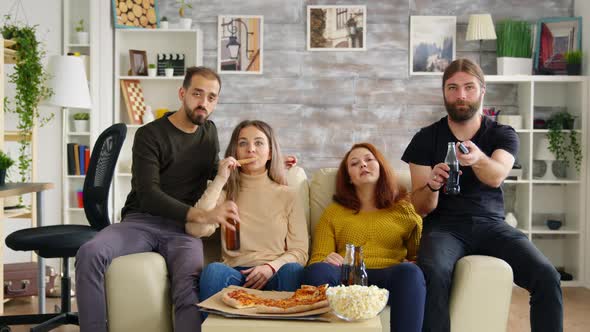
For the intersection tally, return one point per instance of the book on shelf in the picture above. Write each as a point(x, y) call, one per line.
point(78, 158)
point(71, 159)
point(86, 158)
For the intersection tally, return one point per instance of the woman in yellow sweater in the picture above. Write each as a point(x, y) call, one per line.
point(273, 230)
point(370, 211)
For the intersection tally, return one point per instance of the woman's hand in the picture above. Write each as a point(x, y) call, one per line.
point(257, 276)
point(225, 167)
point(334, 259)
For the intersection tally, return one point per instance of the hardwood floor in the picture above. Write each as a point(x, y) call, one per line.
point(576, 310)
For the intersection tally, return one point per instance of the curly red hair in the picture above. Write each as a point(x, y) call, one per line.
point(387, 190)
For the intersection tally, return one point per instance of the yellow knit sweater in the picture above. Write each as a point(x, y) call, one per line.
point(388, 236)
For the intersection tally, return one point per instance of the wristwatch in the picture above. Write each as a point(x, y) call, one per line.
point(432, 189)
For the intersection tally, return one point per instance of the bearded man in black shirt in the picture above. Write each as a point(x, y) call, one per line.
point(472, 222)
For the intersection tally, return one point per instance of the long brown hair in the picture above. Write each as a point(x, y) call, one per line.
point(275, 166)
point(464, 66)
point(387, 190)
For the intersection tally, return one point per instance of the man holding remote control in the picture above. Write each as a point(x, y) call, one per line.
point(472, 222)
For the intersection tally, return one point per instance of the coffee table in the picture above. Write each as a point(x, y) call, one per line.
point(216, 323)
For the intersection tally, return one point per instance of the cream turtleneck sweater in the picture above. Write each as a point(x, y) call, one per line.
point(273, 229)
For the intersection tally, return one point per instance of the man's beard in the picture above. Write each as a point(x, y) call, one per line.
point(197, 119)
point(465, 114)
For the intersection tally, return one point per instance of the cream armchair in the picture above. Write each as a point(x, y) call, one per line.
point(138, 295)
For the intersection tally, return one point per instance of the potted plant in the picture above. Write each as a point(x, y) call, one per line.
point(185, 22)
point(5, 163)
point(81, 34)
point(573, 61)
point(30, 78)
point(81, 122)
point(514, 48)
point(563, 140)
point(164, 23)
point(169, 70)
point(152, 71)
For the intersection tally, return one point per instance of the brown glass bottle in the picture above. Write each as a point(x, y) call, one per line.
point(232, 238)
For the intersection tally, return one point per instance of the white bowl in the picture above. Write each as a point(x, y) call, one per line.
point(354, 303)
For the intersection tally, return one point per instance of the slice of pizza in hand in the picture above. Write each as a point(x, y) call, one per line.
point(247, 161)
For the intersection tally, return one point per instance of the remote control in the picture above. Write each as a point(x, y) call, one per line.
point(463, 148)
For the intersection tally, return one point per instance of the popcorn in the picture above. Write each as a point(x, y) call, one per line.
point(357, 302)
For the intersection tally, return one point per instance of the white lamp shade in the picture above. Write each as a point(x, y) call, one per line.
point(480, 27)
point(68, 81)
point(542, 150)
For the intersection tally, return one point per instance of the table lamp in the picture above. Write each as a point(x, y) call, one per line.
point(68, 82)
point(480, 27)
point(542, 153)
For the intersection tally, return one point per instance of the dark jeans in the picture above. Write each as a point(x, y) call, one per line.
point(140, 233)
point(405, 283)
point(445, 242)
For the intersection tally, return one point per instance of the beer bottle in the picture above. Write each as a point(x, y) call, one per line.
point(451, 187)
point(232, 238)
point(346, 269)
point(360, 273)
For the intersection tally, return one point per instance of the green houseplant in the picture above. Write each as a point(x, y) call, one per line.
point(152, 70)
point(81, 123)
point(164, 23)
point(563, 140)
point(514, 47)
point(573, 61)
point(169, 70)
point(81, 33)
point(185, 22)
point(29, 78)
point(5, 163)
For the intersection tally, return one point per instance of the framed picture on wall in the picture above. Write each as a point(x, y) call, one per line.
point(134, 15)
point(239, 44)
point(554, 37)
point(336, 28)
point(432, 44)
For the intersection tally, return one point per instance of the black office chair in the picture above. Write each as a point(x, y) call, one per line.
point(63, 241)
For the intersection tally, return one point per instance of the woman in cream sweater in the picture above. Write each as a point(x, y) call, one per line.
point(273, 230)
point(370, 211)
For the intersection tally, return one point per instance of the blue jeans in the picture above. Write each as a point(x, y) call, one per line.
point(217, 276)
point(405, 283)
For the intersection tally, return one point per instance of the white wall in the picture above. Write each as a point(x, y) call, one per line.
point(582, 8)
point(47, 15)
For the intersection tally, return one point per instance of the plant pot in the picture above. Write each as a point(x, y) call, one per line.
point(82, 37)
point(152, 72)
point(164, 25)
point(185, 23)
point(574, 68)
point(169, 72)
point(81, 126)
point(514, 66)
point(2, 177)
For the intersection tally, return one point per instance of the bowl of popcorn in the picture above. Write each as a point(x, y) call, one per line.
point(354, 303)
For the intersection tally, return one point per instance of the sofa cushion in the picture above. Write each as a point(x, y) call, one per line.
point(323, 185)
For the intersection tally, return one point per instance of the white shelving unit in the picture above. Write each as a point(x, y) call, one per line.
point(73, 11)
point(159, 92)
point(532, 200)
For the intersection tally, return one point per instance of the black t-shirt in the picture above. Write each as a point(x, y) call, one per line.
point(429, 147)
point(170, 168)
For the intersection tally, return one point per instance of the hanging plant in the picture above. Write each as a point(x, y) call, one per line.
point(30, 78)
point(563, 139)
